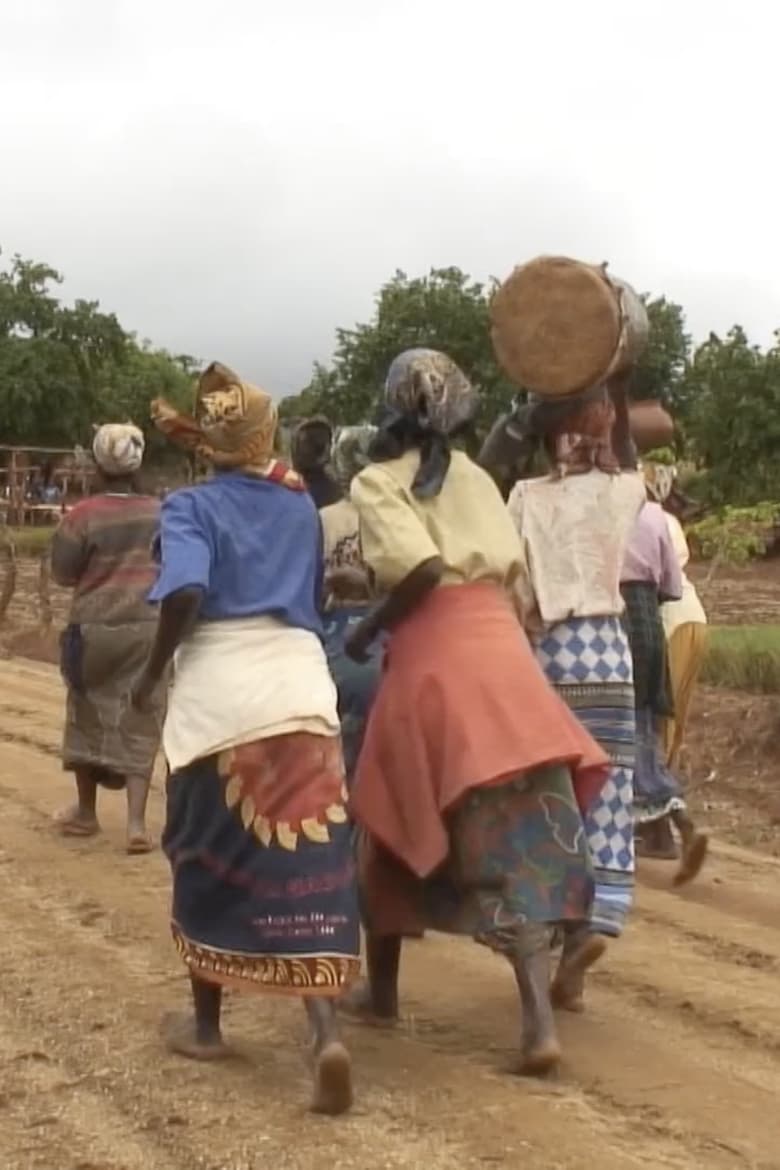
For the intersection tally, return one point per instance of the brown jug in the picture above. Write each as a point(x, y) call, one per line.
point(651, 425)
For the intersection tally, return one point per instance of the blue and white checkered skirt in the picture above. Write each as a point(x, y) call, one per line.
point(588, 661)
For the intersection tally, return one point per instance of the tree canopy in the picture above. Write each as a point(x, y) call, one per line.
point(447, 310)
point(724, 395)
point(65, 367)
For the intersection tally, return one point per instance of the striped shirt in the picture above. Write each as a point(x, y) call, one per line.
point(102, 550)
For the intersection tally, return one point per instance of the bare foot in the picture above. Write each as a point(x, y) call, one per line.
point(71, 822)
point(568, 986)
point(332, 1080)
point(540, 1060)
point(180, 1036)
point(694, 856)
point(357, 1004)
point(138, 840)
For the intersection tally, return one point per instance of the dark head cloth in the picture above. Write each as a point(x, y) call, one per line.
point(428, 400)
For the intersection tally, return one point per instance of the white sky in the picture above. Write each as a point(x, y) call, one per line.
point(236, 179)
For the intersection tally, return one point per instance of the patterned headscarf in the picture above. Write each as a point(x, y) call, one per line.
point(351, 452)
point(428, 400)
point(118, 448)
point(579, 430)
point(233, 427)
point(659, 480)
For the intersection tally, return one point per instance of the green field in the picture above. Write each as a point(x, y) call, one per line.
point(746, 658)
point(29, 541)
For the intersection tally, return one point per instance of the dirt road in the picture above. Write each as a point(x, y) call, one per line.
point(676, 1063)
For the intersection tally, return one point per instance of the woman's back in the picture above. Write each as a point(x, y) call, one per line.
point(575, 531)
point(466, 524)
point(103, 551)
point(253, 546)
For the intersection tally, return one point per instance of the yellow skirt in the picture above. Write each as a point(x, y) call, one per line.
point(686, 648)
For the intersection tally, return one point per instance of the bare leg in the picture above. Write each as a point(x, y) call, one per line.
point(694, 848)
point(332, 1064)
point(375, 999)
point(199, 1036)
point(541, 1050)
point(138, 840)
point(581, 949)
point(80, 820)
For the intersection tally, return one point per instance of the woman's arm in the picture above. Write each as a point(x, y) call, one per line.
point(671, 582)
point(622, 443)
point(178, 617)
point(69, 553)
point(399, 603)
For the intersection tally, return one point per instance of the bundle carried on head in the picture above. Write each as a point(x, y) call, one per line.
point(560, 327)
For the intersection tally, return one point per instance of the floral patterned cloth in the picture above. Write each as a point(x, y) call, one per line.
point(263, 872)
point(518, 861)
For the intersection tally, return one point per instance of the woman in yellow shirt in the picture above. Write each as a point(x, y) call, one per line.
point(473, 775)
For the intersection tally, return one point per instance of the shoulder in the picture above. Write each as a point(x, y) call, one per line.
point(625, 490)
point(338, 513)
point(467, 477)
point(673, 524)
point(631, 483)
point(462, 467)
point(78, 515)
point(378, 481)
point(182, 500)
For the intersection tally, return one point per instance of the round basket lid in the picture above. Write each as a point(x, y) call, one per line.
point(556, 325)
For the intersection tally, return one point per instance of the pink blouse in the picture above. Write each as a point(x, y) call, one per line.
point(650, 556)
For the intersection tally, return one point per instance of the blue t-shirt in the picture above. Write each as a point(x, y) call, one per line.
point(253, 546)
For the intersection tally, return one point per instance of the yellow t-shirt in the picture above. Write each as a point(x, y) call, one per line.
point(466, 524)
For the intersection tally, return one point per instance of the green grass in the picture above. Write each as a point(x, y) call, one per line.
point(744, 658)
point(29, 541)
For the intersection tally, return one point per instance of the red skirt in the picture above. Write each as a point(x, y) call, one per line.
point(462, 704)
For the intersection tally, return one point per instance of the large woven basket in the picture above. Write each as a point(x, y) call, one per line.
point(560, 326)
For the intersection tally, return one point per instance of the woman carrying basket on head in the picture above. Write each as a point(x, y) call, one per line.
point(574, 524)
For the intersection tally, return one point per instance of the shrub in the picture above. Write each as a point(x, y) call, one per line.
point(735, 536)
point(743, 658)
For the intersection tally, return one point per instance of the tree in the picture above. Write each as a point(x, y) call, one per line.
point(63, 367)
point(661, 368)
point(447, 310)
point(444, 310)
point(733, 393)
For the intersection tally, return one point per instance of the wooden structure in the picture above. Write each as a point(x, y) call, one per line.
point(22, 468)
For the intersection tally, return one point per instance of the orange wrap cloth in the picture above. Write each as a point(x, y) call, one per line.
point(462, 704)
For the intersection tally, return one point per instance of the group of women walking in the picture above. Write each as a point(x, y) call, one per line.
point(391, 697)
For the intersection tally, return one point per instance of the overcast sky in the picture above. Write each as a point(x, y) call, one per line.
point(236, 179)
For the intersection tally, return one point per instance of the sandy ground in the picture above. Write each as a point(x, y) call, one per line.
point(675, 1064)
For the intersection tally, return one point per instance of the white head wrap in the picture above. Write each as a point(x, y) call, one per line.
point(659, 480)
point(118, 448)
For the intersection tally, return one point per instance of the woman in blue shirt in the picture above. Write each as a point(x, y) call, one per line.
point(256, 828)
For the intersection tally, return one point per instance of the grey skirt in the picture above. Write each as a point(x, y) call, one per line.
point(102, 731)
